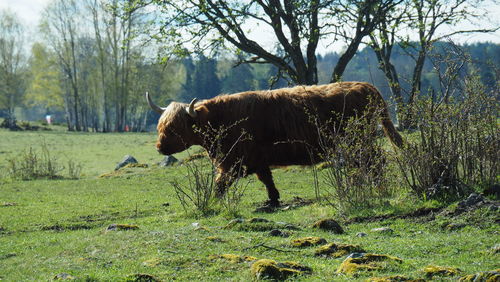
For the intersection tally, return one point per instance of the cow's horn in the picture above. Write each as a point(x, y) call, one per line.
point(153, 106)
point(190, 110)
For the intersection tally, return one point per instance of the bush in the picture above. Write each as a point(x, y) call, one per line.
point(198, 190)
point(354, 163)
point(456, 146)
point(32, 165)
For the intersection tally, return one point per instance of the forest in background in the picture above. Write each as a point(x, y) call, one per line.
point(94, 60)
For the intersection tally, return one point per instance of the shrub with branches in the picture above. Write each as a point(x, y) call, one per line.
point(31, 164)
point(198, 191)
point(456, 145)
point(354, 162)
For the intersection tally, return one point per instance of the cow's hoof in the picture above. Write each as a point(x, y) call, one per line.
point(268, 207)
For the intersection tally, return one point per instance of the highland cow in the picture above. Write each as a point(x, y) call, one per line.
point(277, 123)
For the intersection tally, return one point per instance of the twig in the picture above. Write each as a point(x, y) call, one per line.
point(268, 247)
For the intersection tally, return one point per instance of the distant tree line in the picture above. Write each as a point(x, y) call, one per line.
point(95, 59)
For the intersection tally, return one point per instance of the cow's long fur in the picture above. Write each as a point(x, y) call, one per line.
point(277, 121)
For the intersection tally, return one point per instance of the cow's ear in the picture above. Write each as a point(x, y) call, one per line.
point(201, 113)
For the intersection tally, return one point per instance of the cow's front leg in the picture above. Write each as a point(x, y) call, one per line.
point(223, 180)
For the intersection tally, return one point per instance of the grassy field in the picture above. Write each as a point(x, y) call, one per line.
point(54, 227)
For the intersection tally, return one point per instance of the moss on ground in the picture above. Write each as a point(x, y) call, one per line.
point(337, 250)
point(442, 271)
point(307, 242)
point(270, 269)
point(360, 262)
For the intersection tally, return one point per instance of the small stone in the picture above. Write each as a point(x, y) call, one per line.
point(356, 255)
point(382, 230)
point(278, 233)
point(8, 204)
point(472, 200)
point(329, 225)
point(495, 249)
point(167, 161)
point(257, 220)
point(128, 159)
point(361, 234)
point(195, 224)
point(337, 250)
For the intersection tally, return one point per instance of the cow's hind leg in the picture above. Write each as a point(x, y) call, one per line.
point(264, 174)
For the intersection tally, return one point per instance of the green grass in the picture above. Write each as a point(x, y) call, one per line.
point(48, 227)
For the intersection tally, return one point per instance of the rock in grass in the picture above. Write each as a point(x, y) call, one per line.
point(432, 271)
point(394, 278)
point(485, 276)
point(167, 161)
point(116, 227)
point(270, 269)
point(361, 234)
point(359, 262)
point(257, 220)
point(494, 250)
point(128, 159)
point(64, 276)
point(328, 225)
point(307, 242)
point(233, 258)
point(278, 233)
point(337, 250)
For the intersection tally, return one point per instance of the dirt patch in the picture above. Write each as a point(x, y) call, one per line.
point(294, 203)
point(427, 213)
point(64, 227)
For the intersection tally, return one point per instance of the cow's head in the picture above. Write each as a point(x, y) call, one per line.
point(175, 127)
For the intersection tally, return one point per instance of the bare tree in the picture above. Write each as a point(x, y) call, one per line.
point(98, 13)
point(12, 60)
point(427, 19)
point(356, 20)
point(296, 26)
point(60, 29)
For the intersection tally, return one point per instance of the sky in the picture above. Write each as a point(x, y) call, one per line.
point(29, 12)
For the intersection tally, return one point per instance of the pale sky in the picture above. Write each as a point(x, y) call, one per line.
point(29, 13)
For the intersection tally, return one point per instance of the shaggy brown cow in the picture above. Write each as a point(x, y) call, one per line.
point(277, 121)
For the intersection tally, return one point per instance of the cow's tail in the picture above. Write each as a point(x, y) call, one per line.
point(390, 130)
